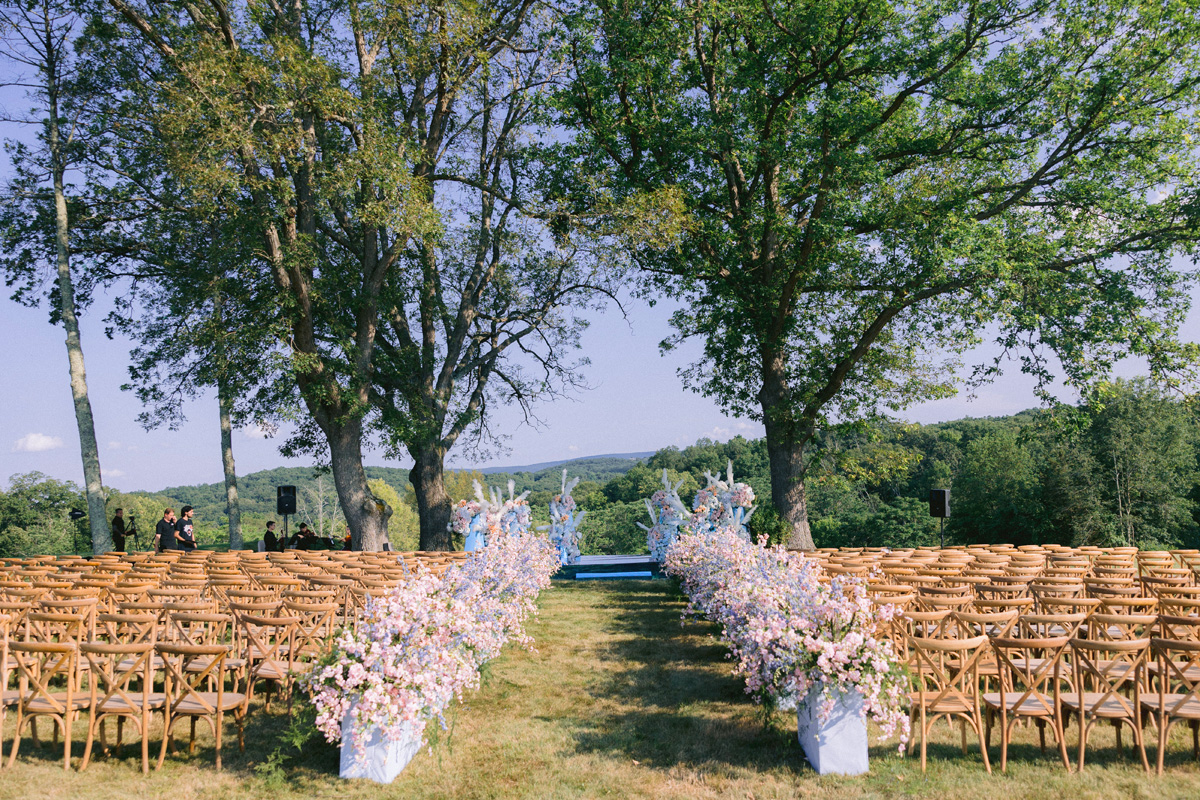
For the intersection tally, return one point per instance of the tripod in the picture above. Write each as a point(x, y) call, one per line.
point(132, 533)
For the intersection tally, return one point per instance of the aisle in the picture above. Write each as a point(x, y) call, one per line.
point(619, 700)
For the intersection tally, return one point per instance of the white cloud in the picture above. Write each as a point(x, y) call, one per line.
point(573, 448)
point(37, 443)
point(114, 445)
point(256, 432)
point(114, 473)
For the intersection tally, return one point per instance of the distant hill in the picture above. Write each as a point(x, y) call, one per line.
point(578, 462)
point(256, 491)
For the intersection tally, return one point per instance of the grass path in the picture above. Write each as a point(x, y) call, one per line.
point(619, 700)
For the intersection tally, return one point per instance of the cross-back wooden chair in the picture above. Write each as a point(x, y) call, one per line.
point(1111, 669)
point(1030, 688)
point(7, 697)
point(946, 673)
point(187, 696)
point(268, 645)
point(40, 665)
point(121, 686)
point(314, 631)
point(1178, 696)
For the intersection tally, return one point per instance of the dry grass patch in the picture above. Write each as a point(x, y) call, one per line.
point(619, 700)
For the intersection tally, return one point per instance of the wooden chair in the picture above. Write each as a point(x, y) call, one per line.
point(268, 645)
point(946, 673)
point(1110, 667)
point(314, 631)
point(38, 665)
point(122, 686)
point(1030, 684)
point(1178, 697)
point(186, 697)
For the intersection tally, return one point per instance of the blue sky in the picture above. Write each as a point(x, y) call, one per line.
point(636, 404)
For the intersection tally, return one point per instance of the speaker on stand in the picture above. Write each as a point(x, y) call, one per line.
point(285, 504)
point(939, 506)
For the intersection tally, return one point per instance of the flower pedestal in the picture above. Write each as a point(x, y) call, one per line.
point(839, 745)
point(384, 759)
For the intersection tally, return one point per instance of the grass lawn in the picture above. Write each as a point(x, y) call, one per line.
point(618, 701)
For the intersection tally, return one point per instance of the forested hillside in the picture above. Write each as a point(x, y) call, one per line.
point(1119, 469)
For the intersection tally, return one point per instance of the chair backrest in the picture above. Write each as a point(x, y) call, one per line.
point(198, 628)
point(128, 629)
point(1117, 627)
point(314, 627)
point(1031, 667)
point(947, 670)
point(39, 664)
point(1178, 670)
point(1110, 666)
point(1185, 629)
point(184, 686)
point(267, 640)
point(995, 623)
point(42, 626)
point(122, 672)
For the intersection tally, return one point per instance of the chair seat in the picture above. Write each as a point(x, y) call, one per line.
point(1189, 710)
point(271, 670)
point(1191, 672)
point(118, 705)
point(1111, 708)
point(947, 705)
point(10, 697)
point(190, 705)
point(156, 663)
point(41, 705)
point(1036, 705)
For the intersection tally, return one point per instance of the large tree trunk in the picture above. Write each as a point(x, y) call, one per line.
point(785, 454)
point(366, 515)
point(232, 507)
point(97, 515)
point(428, 477)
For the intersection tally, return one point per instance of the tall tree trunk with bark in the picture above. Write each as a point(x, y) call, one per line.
point(786, 445)
point(428, 477)
point(366, 515)
point(90, 452)
point(232, 506)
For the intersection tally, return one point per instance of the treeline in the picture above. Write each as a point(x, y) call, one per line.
point(1119, 469)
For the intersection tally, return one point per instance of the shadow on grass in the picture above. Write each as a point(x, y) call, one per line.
point(264, 731)
point(665, 694)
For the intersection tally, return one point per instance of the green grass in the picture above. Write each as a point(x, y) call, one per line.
point(619, 700)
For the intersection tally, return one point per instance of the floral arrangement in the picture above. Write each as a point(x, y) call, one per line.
point(486, 516)
point(667, 513)
point(721, 505)
point(788, 631)
point(420, 646)
point(564, 524)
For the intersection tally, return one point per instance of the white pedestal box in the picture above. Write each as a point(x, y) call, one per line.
point(839, 746)
point(384, 759)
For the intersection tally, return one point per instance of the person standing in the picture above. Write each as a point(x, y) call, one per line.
point(164, 532)
point(270, 540)
point(118, 530)
point(185, 538)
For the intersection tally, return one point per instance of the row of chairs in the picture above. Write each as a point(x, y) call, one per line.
point(139, 637)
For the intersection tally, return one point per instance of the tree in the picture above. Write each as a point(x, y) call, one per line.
point(862, 189)
point(377, 157)
point(39, 36)
point(1144, 449)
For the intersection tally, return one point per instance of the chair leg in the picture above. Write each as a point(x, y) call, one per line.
point(91, 738)
point(978, 723)
point(1083, 732)
point(220, 724)
point(12, 755)
point(162, 752)
point(1041, 726)
point(924, 735)
point(1164, 728)
point(1140, 740)
point(67, 741)
point(1060, 736)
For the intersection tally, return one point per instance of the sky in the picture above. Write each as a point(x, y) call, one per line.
point(635, 404)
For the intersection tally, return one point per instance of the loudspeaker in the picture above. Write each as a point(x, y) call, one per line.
point(939, 502)
point(285, 500)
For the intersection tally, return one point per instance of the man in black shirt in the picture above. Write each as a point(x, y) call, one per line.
point(164, 531)
point(270, 540)
point(304, 537)
point(118, 530)
point(184, 538)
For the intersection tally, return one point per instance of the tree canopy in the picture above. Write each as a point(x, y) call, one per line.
point(865, 189)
